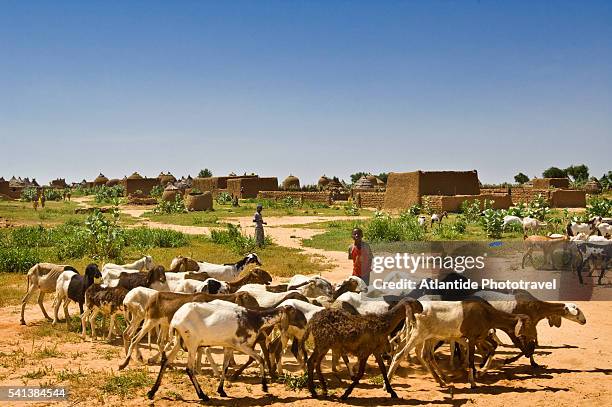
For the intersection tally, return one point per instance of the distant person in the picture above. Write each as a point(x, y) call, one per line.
point(259, 230)
point(35, 204)
point(361, 254)
point(42, 199)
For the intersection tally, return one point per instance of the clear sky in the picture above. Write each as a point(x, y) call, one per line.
point(304, 87)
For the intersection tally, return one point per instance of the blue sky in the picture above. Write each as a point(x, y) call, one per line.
point(304, 87)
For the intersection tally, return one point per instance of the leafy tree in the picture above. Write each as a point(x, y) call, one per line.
point(521, 178)
point(383, 176)
point(579, 173)
point(554, 172)
point(205, 173)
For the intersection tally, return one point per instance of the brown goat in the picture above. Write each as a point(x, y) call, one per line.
point(359, 335)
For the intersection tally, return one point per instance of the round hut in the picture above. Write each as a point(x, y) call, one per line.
point(593, 186)
point(363, 183)
point(323, 181)
point(164, 179)
point(100, 180)
point(200, 201)
point(135, 175)
point(170, 193)
point(291, 183)
point(113, 182)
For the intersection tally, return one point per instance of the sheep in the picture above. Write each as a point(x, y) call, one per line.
point(266, 298)
point(72, 286)
point(512, 220)
point(468, 323)
point(522, 302)
point(224, 272)
point(437, 218)
point(573, 228)
point(42, 277)
point(359, 335)
point(111, 271)
point(350, 284)
point(108, 300)
point(318, 286)
point(154, 278)
point(162, 306)
point(200, 324)
point(531, 224)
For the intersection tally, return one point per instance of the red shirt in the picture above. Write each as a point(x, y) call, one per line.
point(361, 258)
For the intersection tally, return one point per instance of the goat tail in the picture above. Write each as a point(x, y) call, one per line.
point(568, 230)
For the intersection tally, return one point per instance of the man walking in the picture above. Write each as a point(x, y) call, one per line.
point(361, 254)
point(259, 230)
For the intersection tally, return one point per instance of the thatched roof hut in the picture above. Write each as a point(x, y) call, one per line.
point(363, 183)
point(113, 182)
point(291, 182)
point(323, 181)
point(593, 186)
point(135, 175)
point(164, 179)
point(100, 180)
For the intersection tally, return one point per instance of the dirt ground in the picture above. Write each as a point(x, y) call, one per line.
point(577, 359)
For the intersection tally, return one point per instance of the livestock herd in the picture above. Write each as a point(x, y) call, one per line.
point(196, 306)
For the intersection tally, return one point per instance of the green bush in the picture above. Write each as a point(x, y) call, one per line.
point(492, 222)
point(233, 238)
point(54, 194)
point(224, 198)
point(145, 238)
point(537, 208)
point(18, 259)
point(109, 195)
point(29, 194)
point(471, 210)
point(351, 209)
point(599, 206)
point(460, 225)
point(384, 228)
point(106, 237)
point(446, 231)
point(157, 191)
point(168, 207)
point(414, 210)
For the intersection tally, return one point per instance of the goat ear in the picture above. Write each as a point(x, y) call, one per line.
point(554, 320)
point(519, 327)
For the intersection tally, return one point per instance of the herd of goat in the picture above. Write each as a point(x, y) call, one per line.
point(194, 306)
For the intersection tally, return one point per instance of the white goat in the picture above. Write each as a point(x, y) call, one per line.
point(210, 286)
point(531, 224)
point(196, 325)
point(111, 271)
point(511, 220)
point(42, 277)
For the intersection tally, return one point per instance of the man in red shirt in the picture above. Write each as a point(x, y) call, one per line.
point(361, 254)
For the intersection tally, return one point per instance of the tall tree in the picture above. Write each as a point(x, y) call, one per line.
point(205, 173)
point(521, 178)
point(579, 173)
point(554, 172)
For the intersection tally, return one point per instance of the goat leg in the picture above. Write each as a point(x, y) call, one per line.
point(41, 298)
point(349, 390)
point(196, 385)
point(383, 372)
point(164, 365)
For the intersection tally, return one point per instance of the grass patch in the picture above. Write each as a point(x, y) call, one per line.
point(47, 352)
point(38, 373)
point(293, 382)
point(337, 237)
point(12, 289)
point(126, 382)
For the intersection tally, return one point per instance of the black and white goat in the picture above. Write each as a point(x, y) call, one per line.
point(71, 286)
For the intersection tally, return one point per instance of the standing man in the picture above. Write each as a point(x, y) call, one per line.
point(361, 254)
point(259, 230)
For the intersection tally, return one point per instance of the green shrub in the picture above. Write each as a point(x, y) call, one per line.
point(29, 194)
point(492, 222)
point(445, 231)
point(18, 259)
point(351, 209)
point(168, 207)
point(537, 208)
point(110, 195)
point(384, 228)
point(414, 210)
point(106, 237)
point(460, 225)
point(224, 198)
point(471, 210)
point(157, 191)
point(233, 238)
point(145, 238)
point(599, 206)
point(53, 194)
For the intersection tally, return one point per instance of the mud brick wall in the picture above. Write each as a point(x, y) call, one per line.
point(568, 198)
point(4, 188)
point(402, 190)
point(15, 192)
point(545, 183)
point(523, 194)
point(321, 197)
point(406, 189)
point(440, 203)
point(214, 183)
point(141, 184)
point(251, 186)
point(371, 199)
